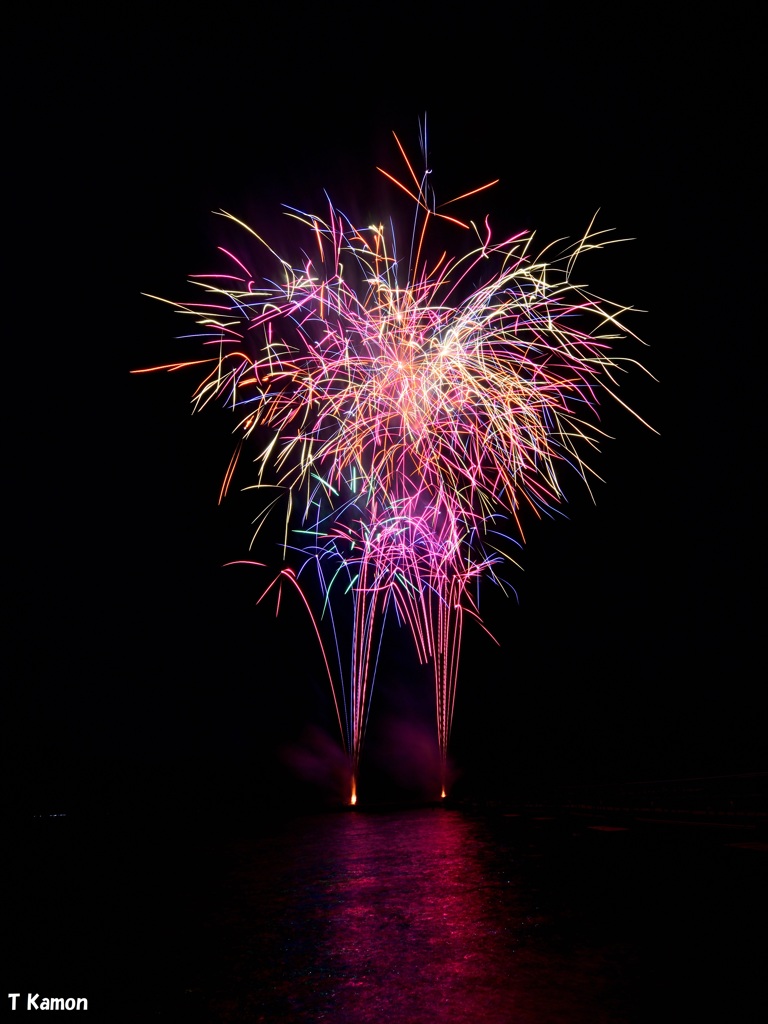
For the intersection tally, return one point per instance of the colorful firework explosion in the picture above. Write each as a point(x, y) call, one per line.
point(409, 410)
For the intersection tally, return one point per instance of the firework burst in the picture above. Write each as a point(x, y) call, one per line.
point(404, 413)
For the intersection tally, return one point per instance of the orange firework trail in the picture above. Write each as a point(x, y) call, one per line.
point(411, 410)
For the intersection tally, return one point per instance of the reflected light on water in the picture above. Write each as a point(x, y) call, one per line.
point(413, 930)
point(419, 916)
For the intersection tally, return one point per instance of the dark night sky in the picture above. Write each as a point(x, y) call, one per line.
point(137, 663)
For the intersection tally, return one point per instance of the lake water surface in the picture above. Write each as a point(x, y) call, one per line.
point(413, 916)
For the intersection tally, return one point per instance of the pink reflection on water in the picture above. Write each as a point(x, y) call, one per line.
point(412, 917)
point(415, 933)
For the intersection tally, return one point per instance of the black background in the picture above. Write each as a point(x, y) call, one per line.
point(140, 672)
